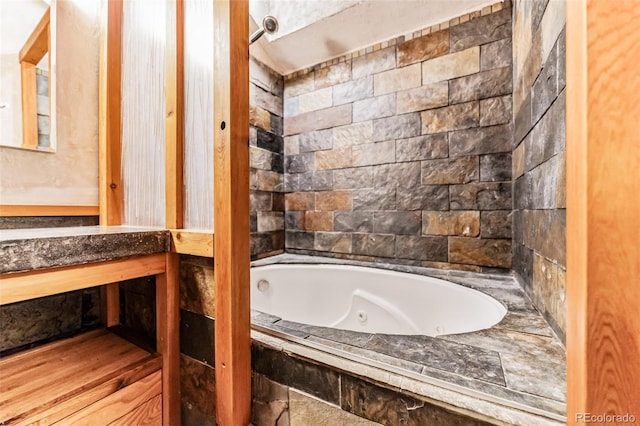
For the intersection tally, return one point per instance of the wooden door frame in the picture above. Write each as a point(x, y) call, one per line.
point(603, 207)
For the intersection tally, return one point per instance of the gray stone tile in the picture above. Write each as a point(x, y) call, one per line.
point(495, 167)
point(480, 196)
point(381, 245)
point(372, 63)
point(424, 97)
point(316, 181)
point(485, 84)
point(335, 335)
point(480, 140)
point(374, 199)
point(481, 30)
point(372, 355)
point(407, 223)
point(422, 248)
point(299, 163)
point(423, 197)
point(525, 323)
point(427, 147)
point(380, 106)
point(450, 170)
point(357, 221)
point(396, 127)
point(464, 359)
point(388, 407)
point(337, 242)
point(332, 75)
point(316, 141)
point(495, 111)
point(495, 224)
point(396, 175)
point(545, 88)
point(353, 178)
point(314, 379)
point(352, 91)
point(197, 336)
point(496, 54)
point(299, 239)
point(374, 153)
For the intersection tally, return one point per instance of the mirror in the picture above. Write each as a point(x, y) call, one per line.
point(24, 68)
point(64, 169)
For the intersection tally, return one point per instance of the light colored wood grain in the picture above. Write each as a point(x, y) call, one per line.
point(37, 45)
point(110, 304)
point(194, 243)
point(91, 392)
point(603, 206)
point(29, 105)
point(149, 413)
point(45, 384)
point(174, 100)
point(231, 212)
point(110, 116)
point(168, 337)
point(111, 408)
point(34, 284)
point(42, 210)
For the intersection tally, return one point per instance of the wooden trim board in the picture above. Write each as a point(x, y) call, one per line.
point(16, 287)
point(231, 212)
point(37, 45)
point(110, 116)
point(174, 123)
point(38, 210)
point(195, 243)
point(603, 206)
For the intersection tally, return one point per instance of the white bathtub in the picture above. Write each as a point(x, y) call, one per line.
point(371, 300)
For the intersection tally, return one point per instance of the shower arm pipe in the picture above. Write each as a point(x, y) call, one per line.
point(256, 36)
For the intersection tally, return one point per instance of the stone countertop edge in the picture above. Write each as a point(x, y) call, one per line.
point(452, 399)
point(32, 249)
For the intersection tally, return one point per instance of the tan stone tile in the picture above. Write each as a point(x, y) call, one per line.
point(299, 201)
point(423, 48)
point(339, 158)
point(313, 101)
point(462, 223)
point(421, 98)
point(451, 66)
point(474, 251)
point(259, 117)
point(518, 161)
point(454, 117)
point(306, 410)
point(397, 79)
point(317, 120)
point(318, 221)
point(333, 200)
point(332, 75)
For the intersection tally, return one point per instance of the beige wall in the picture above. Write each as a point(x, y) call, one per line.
point(70, 175)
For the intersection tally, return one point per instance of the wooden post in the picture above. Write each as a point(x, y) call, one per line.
point(603, 207)
point(109, 135)
point(231, 212)
point(167, 328)
point(174, 99)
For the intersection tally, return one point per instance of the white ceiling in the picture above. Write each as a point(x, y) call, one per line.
point(313, 31)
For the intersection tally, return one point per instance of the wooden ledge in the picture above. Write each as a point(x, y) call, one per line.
point(195, 243)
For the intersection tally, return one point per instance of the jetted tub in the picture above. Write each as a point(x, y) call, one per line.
point(370, 300)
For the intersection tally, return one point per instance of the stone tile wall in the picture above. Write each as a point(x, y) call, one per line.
point(403, 154)
point(538, 168)
point(266, 157)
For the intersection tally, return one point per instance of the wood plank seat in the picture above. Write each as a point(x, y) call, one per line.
point(95, 378)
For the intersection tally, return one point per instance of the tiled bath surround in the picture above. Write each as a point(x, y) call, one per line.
point(403, 154)
point(266, 157)
point(539, 142)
